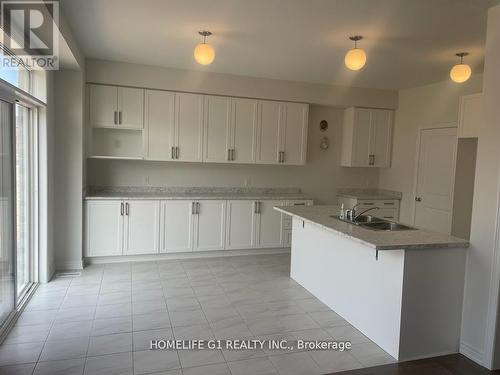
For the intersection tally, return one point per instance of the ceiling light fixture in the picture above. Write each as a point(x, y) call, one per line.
point(204, 53)
point(355, 58)
point(460, 72)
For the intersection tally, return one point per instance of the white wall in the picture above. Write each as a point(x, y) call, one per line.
point(427, 106)
point(483, 268)
point(319, 178)
point(69, 98)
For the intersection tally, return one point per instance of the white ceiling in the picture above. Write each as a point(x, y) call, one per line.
point(408, 42)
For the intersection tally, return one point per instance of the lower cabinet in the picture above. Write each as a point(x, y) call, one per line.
point(240, 224)
point(141, 227)
point(269, 224)
point(209, 225)
point(176, 226)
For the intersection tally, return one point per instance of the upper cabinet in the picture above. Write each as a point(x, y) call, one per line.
point(112, 106)
point(367, 137)
point(470, 115)
point(171, 126)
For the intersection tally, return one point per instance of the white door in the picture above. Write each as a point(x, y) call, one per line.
point(104, 227)
point(269, 224)
point(189, 126)
point(216, 134)
point(294, 133)
point(103, 106)
point(361, 136)
point(142, 225)
point(268, 140)
point(131, 107)
point(244, 130)
point(176, 230)
point(240, 224)
point(160, 124)
point(381, 136)
point(209, 225)
point(435, 179)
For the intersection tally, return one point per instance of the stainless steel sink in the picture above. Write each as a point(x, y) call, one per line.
point(361, 220)
point(386, 225)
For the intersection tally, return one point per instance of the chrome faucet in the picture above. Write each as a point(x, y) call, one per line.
point(355, 217)
point(351, 212)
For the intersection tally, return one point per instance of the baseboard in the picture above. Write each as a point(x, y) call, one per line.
point(472, 353)
point(69, 265)
point(432, 355)
point(192, 255)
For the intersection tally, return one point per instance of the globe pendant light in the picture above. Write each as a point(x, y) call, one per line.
point(204, 53)
point(355, 59)
point(460, 72)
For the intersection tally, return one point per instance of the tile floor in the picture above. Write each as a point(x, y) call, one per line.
point(102, 322)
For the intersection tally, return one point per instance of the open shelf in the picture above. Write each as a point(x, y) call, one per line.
point(114, 143)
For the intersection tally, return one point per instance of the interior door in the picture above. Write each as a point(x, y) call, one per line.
point(160, 124)
point(362, 128)
point(240, 224)
point(141, 227)
point(104, 229)
point(244, 129)
point(381, 138)
point(103, 106)
point(268, 140)
point(435, 179)
point(209, 225)
point(131, 107)
point(294, 129)
point(217, 129)
point(176, 226)
point(189, 126)
point(269, 225)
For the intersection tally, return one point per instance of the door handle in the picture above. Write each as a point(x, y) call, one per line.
point(177, 152)
point(121, 209)
point(232, 154)
point(172, 153)
point(282, 156)
point(228, 154)
point(116, 117)
point(371, 159)
point(193, 210)
point(418, 199)
point(127, 209)
point(120, 117)
point(255, 211)
point(197, 208)
point(258, 207)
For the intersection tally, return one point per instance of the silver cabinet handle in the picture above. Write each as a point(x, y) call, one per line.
point(299, 204)
point(120, 117)
point(116, 117)
point(418, 199)
point(232, 154)
point(282, 156)
point(388, 203)
point(229, 154)
point(121, 209)
point(197, 208)
point(193, 205)
point(177, 152)
point(255, 211)
point(127, 209)
point(258, 207)
point(172, 153)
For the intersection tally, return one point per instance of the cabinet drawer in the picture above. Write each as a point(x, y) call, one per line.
point(382, 204)
point(387, 214)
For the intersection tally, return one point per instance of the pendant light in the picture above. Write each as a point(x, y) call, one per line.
point(204, 53)
point(355, 58)
point(460, 72)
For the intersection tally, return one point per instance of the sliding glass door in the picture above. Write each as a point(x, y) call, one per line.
point(7, 213)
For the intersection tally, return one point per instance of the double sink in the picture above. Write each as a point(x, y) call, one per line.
point(374, 223)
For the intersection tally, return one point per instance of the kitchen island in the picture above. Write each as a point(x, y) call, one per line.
point(402, 289)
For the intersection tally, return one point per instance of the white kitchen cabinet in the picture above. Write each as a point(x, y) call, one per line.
point(269, 225)
point(293, 133)
point(367, 137)
point(217, 144)
point(141, 227)
point(287, 220)
point(160, 125)
point(244, 130)
point(268, 133)
point(188, 127)
point(240, 224)
point(120, 107)
point(176, 226)
point(104, 227)
point(470, 115)
point(209, 225)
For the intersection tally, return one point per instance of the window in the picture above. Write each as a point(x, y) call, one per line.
point(19, 77)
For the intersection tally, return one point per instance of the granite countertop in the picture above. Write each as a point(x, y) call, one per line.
point(173, 193)
point(379, 240)
point(369, 193)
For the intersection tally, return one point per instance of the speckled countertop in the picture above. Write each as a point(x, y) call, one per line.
point(369, 193)
point(379, 240)
point(194, 193)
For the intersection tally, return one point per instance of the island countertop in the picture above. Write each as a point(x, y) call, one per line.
point(379, 240)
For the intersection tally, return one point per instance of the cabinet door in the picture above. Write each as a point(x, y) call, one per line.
point(103, 106)
point(131, 107)
point(209, 225)
point(244, 130)
point(386, 213)
point(160, 124)
point(141, 227)
point(176, 222)
point(189, 126)
point(470, 115)
point(294, 133)
point(240, 224)
point(269, 223)
point(268, 140)
point(216, 134)
point(104, 228)
point(361, 137)
point(381, 135)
